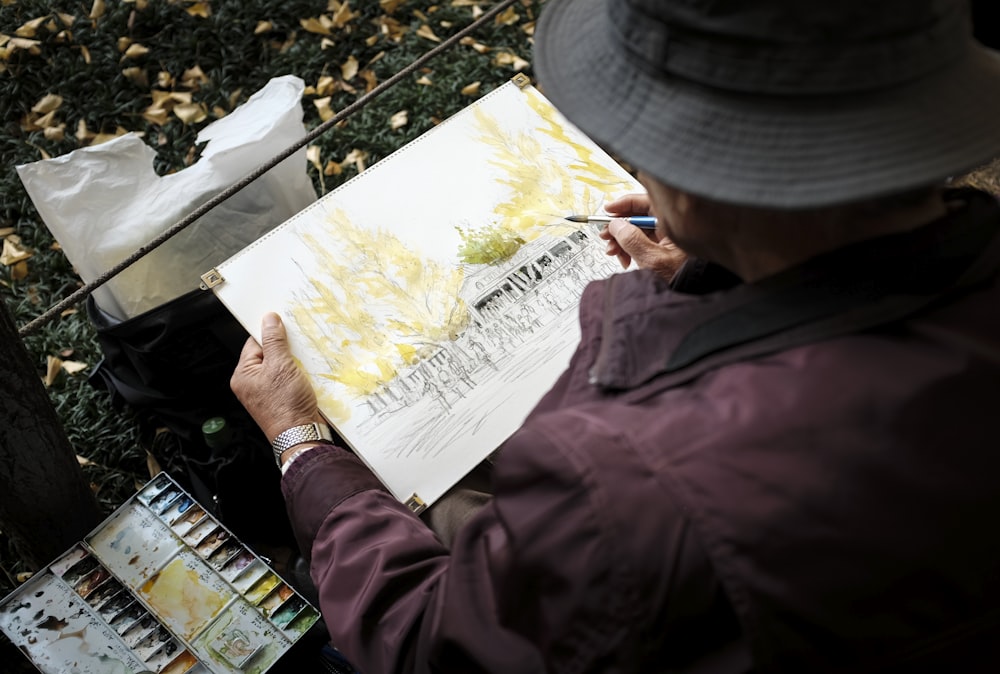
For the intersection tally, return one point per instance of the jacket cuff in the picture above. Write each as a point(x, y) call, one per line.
point(316, 483)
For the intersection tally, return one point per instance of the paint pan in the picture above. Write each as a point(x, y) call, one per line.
point(188, 520)
point(115, 605)
point(237, 565)
point(212, 542)
point(128, 618)
point(306, 618)
point(250, 575)
point(149, 645)
point(140, 630)
point(269, 604)
point(181, 664)
point(164, 500)
point(108, 589)
point(178, 507)
point(91, 581)
point(200, 531)
point(225, 554)
point(79, 570)
point(157, 485)
point(261, 588)
point(286, 614)
point(62, 565)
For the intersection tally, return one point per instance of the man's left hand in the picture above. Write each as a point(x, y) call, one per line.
point(270, 384)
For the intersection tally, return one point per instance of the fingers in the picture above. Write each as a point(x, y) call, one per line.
point(662, 256)
point(630, 204)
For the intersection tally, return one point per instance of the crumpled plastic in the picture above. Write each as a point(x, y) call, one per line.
point(104, 202)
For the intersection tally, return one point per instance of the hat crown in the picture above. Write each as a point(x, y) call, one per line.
point(793, 46)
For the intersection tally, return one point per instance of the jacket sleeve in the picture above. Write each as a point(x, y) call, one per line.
point(538, 581)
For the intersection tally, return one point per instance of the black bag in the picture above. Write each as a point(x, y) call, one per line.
point(172, 365)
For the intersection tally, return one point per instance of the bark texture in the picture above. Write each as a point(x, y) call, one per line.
point(45, 503)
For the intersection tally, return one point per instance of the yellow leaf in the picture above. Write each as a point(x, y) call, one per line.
point(74, 366)
point(83, 134)
point(20, 270)
point(356, 157)
point(349, 68)
point(55, 133)
point(399, 120)
point(528, 28)
point(13, 251)
point(97, 9)
point(313, 25)
point(201, 9)
point(326, 43)
point(191, 113)
point(471, 89)
point(83, 461)
point(25, 576)
point(16, 43)
point(135, 50)
point(323, 108)
point(68, 312)
point(67, 19)
point(85, 53)
point(389, 6)
point(164, 80)
point(312, 156)
point(46, 121)
point(137, 76)
point(53, 366)
point(478, 46)
point(30, 28)
point(263, 27)
point(47, 103)
point(507, 17)
point(420, 15)
point(424, 80)
point(371, 80)
point(333, 169)
point(506, 58)
point(343, 16)
point(477, 11)
point(7, 231)
point(193, 78)
point(183, 97)
point(425, 32)
point(326, 86)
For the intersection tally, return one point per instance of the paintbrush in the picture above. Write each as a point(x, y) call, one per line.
point(640, 221)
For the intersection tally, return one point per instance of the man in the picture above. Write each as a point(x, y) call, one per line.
point(784, 458)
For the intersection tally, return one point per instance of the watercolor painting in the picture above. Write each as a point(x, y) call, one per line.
point(432, 299)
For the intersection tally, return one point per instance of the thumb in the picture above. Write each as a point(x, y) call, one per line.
point(273, 338)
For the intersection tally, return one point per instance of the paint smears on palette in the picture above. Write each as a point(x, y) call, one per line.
point(160, 586)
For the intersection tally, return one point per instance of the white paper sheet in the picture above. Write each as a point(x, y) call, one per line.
point(424, 358)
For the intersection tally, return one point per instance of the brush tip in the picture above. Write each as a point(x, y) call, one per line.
point(577, 218)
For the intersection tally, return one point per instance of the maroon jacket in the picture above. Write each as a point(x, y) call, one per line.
point(804, 468)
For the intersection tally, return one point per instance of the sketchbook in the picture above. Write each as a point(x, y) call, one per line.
point(432, 298)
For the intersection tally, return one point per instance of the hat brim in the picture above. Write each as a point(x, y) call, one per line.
point(778, 152)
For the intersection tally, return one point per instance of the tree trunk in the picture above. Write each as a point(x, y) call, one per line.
point(45, 503)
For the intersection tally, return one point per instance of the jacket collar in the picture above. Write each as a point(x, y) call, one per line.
point(649, 330)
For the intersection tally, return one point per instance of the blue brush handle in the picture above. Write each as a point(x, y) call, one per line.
point(642, 221)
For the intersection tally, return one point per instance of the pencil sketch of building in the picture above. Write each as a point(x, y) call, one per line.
point(529, 297)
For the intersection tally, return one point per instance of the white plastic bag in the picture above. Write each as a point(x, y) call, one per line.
point(103, 202)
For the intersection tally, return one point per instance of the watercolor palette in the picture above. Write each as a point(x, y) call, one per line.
point(160, 586)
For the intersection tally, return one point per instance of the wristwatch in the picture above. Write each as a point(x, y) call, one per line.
point(296, 435)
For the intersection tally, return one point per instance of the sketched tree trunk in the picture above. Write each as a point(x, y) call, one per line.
point(45, 502)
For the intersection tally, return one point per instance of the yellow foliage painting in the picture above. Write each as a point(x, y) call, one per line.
point(432, 299)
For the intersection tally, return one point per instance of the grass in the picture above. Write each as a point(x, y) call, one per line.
point(238, 53)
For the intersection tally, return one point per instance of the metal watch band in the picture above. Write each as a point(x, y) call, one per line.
point(296, 435)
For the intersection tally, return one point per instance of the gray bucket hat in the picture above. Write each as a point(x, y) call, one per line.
point(777, 103)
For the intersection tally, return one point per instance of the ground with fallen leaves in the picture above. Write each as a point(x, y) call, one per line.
point(74, 74)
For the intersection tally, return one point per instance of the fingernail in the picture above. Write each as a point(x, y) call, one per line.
point(270, 320)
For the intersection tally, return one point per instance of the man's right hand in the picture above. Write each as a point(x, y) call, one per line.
point(627, 242)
